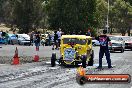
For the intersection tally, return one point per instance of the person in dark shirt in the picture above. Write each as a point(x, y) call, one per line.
point(88, 33)
point(104, 40)
point(31, 37)
point(2, 34)
point(49, 39)
point(37, 40)
point(55, 40)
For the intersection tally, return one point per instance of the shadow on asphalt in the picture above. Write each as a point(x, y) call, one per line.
point(120, 52)
point(115, 52)
point(70, 66)
point(65, 66)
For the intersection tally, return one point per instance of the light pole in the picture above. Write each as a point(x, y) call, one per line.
point(107, 25)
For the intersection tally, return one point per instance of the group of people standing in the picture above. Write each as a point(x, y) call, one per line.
point(35, 37)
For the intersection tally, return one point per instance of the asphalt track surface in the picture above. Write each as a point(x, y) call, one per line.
point(29, 74)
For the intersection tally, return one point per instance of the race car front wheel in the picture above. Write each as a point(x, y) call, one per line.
point(53, 59)
point(81, 80)
point(60, 61)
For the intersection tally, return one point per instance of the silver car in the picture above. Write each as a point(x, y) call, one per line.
point(128, 42)
point(116, 44)
point(23, 39)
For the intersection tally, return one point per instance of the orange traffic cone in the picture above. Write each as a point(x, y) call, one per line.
point(15, 58)
point(36, 57)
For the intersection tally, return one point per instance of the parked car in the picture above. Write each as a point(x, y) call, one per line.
point(2, 41)
point(116, 44)
point(95, 42)
point(23, 39)
point(128, 42)
point(12, 39)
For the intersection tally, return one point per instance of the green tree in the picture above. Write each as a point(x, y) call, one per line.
point(101, 13)
point(71, 15)
point(1, 10)
point(3, 4)
point(119, 14)
point(129, 1)
point(44, 21)
point(122, 15)
point(27, 14)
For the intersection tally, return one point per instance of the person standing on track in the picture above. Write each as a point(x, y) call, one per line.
point(104, 40)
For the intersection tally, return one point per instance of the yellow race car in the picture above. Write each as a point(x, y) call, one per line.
point(74, 50)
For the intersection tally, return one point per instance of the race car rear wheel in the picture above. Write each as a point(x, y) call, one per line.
point(91, 61)
point(84, 61)
point(53, 59)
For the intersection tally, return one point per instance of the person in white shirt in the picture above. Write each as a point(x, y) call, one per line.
point(0, 34)
point(59, 33)
point(0, 37)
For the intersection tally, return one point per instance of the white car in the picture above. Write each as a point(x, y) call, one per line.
point(23, 39)
point(116, 44)
point(95, 42)
point(128, 42)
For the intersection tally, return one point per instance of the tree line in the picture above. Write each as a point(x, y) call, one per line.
point(69, 15)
